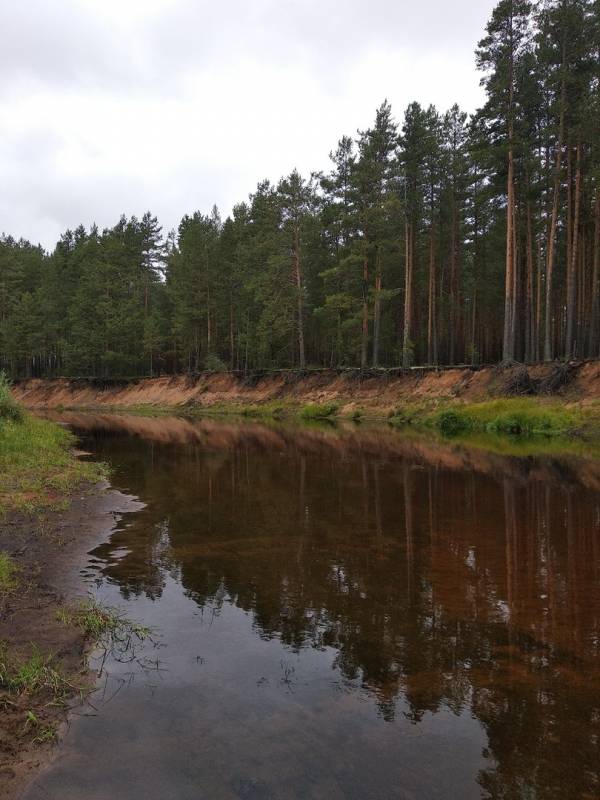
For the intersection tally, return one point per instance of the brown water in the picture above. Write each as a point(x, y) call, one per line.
point(341, 614)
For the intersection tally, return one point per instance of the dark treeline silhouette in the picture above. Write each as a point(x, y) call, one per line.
point(441, 239)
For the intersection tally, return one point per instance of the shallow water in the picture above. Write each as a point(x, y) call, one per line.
point(341, 614)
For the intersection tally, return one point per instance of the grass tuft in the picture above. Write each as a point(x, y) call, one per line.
point(44, 733)
point(8, 573)
point(102, 624)
point(33, 676)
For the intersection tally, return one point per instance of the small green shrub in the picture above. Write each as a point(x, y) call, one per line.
point(9, 408)
point(450, 423)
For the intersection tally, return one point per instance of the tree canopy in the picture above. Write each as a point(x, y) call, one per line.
point(437, 238)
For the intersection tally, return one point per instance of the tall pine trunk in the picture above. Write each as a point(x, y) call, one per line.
point(529, 310)
point(551, 245)
point(231, 334)
point(432, 355)
point(453, 280)
point(364, 350)
point(299, 296)
point(208, 323)
point(570, 340)
point(594, 336)
point(408, 298)
point(377, 309)
point(508, 347)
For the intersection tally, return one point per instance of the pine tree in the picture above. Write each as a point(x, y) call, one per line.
point(498, 55)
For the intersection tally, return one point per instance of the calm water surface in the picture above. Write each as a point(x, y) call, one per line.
point(341, 615)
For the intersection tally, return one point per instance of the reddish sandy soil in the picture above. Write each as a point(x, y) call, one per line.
point(351, 389)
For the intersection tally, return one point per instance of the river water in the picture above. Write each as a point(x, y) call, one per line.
point(340, 615)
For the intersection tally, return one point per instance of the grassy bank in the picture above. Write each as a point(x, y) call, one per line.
point(38, 468)
point(515, 417)
point(524, 417)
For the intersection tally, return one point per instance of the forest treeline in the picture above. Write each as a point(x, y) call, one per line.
point(437, 239)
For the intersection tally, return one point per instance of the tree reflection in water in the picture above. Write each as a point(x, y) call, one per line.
point(439, 575)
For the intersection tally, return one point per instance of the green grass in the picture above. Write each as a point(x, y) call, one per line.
point(287, 410)
point(261, 411)
point(512, 416)
point(517, 417)
point(102, 624)
point(319, 411)
point(44, 733)
point(38, 679)
point(33, 676)
point(8, 573)
point(38, 469)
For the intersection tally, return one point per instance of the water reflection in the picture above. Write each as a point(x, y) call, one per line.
point(443, 579)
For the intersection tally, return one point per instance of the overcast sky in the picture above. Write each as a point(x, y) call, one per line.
point(119, 106)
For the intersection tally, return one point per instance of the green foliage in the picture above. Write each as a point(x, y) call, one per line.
point(8, 573)
point(9, 409)
point(273, 410)
point(37, 466)
point(101, 624)
point(35, 675)
point(450, 422)
point(396, 255)
point(516, 417)
point(44, 733)
point(213, 363)
point(525, 417)
point(316, 411)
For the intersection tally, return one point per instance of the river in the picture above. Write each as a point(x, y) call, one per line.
point(340, 614)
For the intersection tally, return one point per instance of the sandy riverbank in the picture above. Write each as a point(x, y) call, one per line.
point(381, 391)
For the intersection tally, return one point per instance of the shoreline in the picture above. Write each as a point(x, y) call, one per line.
point(551, 400)
point(49, 551)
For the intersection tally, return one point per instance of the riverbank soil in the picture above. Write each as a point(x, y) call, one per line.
point(48, 553)
point(375, 390)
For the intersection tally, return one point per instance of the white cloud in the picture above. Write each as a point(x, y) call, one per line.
point(117, 106)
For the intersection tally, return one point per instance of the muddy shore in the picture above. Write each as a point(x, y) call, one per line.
point(50, 552)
